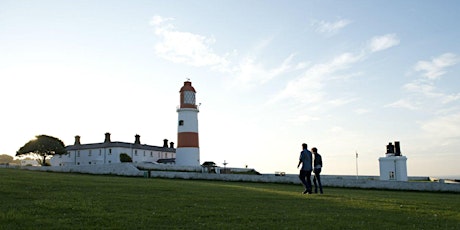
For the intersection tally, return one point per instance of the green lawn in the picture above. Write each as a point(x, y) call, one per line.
point(44, 200)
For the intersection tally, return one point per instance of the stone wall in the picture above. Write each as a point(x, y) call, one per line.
point(166, 171)
point(120, 169)
point(327, 181)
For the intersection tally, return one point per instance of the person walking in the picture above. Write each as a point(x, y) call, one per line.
point(305, 172)
point(317, 164)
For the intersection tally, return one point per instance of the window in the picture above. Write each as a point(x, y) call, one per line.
point(78, 153)
point(110, 151)
point(89, 154)
point(100, 152)
point(181, 122)
point(78, 163)
point(110, 162)
point(144, 153)
point(135, 152)
point(189, 97)
point(392, 175)
point(89, 162)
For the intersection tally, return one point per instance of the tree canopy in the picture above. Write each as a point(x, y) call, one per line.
point(125, 158)
point(4, 158)
point(43, 146)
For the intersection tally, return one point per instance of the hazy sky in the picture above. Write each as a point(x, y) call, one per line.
point(342, 76)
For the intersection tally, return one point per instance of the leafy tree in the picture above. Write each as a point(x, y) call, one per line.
point(4, 158)
point(42, 146)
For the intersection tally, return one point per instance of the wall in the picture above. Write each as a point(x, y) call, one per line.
point(158, 171)
point(332, 181)
point(120, 169)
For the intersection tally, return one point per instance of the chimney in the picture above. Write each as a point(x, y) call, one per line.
point(171, 145)
point(77, 140)
point(390, 148)
point(107, 138)
point(138, 139)
point(397, 149)
point(165, 143)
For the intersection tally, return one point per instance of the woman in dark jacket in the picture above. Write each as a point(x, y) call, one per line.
point(317, 165)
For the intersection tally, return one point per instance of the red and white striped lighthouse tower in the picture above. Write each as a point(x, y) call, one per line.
point(188, 150)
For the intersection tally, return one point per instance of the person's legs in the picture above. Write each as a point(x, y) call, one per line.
point(302, 176)
point(308, 176)
point(318, 177)
point(314, 182)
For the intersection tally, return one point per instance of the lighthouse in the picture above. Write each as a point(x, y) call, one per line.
point(188, 150)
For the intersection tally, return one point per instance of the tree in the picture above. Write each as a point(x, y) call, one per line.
point(43, 146)
point(125, 158)
point(4, 158)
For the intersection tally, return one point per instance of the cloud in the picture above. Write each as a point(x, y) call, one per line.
point(436, 67)
point(184, 47)
point(451, 98)
point(330, 27)
point(383, 42)
point(305, 89)
point(249, 72)
point(158, 20)
point(421, 86)
point(308, 87)
point(361, 111)
point(341, 101)
point(423, 89)
point(443, 127)
point(403, 103)
point(303, 118)
point(196, 50)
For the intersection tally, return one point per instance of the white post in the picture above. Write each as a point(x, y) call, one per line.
point(225, 166)
point(356, 165)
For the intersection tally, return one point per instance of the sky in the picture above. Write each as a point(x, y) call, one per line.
point(346, 77)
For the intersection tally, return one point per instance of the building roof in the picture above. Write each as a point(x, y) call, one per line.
point(120, 145)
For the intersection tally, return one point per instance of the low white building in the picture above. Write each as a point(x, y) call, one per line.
point(108, 152)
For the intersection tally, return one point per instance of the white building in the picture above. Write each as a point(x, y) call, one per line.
point(108, 152)
point(393, 166)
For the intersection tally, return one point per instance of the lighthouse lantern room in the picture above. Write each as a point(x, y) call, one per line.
point(188, 151)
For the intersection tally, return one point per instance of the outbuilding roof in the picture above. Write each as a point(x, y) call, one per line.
point(120, 145)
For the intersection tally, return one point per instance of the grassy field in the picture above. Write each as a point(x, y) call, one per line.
point(43, 200)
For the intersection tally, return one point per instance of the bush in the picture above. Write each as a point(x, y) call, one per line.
point(125, 158)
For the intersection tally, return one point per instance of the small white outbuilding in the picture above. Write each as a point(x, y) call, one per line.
point(393, 166)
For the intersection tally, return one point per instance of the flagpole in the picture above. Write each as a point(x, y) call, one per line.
point(356, 165)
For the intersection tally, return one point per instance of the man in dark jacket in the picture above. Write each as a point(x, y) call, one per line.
point(305, 172)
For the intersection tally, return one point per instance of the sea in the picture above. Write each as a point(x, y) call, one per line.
point(452, 177)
